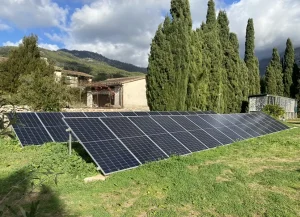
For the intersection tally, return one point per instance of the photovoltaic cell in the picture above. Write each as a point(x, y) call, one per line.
point(169, 144)
point(147, 125)
point(110, 155)
point(128, 114)
point(27, 120)
point(89, 129)
point(167, 123)
point(112, 114)
point(212, 121)
point(151, 113)
point(144, 149)
point(231, 134)
point(73, 114)
point(185, 122)
point(165, 113)
point(222, 138)
point(143, 113)
point(94, 114)
point(240, 132)
point(122, 127)
point(32, 136)
point(199, 122)
point(205, 138)
point(51, 119)
point(59, 133)
point(193, 144)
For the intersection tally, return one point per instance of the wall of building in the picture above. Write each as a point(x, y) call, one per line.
point(134, 94)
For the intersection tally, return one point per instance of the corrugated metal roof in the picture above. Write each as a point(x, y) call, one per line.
point(117, 81)
point(68, 72)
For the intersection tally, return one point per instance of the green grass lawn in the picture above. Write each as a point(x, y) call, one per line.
point(257, 177)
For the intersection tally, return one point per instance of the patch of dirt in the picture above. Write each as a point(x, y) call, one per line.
point(225, 176)
point(260, 169)
point(189, 210)
point(193, 168)
point(207, 163)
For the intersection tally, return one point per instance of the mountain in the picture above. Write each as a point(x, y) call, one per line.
point(101, 70)
point(263, 63)
point(114, 63)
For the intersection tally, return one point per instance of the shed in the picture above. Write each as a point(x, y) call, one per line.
point(257, 102)
point(126, 92)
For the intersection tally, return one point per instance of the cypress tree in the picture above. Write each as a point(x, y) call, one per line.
point(180, 39)
point(197, 84)
point(251, 60)
point(273, 78)
point(288, 68)
point(213, 60)
point(160, 75)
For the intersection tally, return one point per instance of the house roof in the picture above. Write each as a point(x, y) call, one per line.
point(82, 74)
point(117, 81)
point(263, 95)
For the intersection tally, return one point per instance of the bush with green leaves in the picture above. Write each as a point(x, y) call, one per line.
point(274, 110)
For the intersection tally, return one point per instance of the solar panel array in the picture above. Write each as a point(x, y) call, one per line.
point(121, 143)
point(42, 127)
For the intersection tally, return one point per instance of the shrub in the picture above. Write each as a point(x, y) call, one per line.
point(274, 110)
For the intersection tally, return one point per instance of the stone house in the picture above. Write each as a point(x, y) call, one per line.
point(73, 78)
point(126, 92)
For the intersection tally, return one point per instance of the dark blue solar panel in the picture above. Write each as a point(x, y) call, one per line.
point(199, 122)
point(240, 132)
point(73, 114)
point(112, 114)
point(205, 138)
point(164, 113)
point(152, 113)
point(212, 121)
point(148, 125)
point(185, 122)
point(249, 130)
point(220, 119)
point(59, 133)
point(122, 127)
point(192, 112)
point(144, 149)
point(184, 113)
point(222, 138)
point(189, 141)
point(111, 155)
point(94, 114)
point(51, 119)
point(174, 113)
point(232, 135)
point(32, 136)
point(89, 129)
point(167, 123)
point(200, 112)
point(143, 113)
point(169, 144)
point(27, 120)
point(128, 114)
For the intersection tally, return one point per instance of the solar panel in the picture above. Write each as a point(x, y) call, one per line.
point(218, 135)
point(165, 113)
point(30, 130)
point(73, 114)
point(112, 114)
point(205, 138)
point(169, 144)
point(191, 142)
point(128, 114)
point(148, 125)
point(168, 124)
point(143, 113)
point(185, 122)
point(94, 114)
point(122, 127)
point(199, 122)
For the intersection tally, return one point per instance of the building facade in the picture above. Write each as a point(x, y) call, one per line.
point(258, 102)
point(128, 92)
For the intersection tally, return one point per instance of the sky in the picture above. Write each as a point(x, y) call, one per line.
point(123, 29)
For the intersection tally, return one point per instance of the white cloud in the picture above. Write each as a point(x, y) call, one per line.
point(33, 13)
point(4, 27)
point(52, 47)
point(14, 44)
point(274, 22)
point(54, 37)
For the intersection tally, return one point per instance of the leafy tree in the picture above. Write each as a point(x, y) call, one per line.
point(197, 83)
point(22, 61)
point(213, 60)
point(30, 80)
point(160, 77)
point(288, 68)
point(251, 60)
point(274, 75)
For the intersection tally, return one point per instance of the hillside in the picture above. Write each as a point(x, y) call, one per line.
point(101, 70)
point(263, 63)
point(91, 56)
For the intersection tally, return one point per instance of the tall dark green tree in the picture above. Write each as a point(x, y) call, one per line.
point(251, 60)
point(288, 68)
point(180, 38)
point(274, 84)
point(197, 83)
point(160, 77)
point(212, 51)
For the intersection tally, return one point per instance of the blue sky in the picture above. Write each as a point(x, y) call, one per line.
point(123, 29)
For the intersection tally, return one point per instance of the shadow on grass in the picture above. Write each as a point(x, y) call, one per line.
point(17, 191)
point(77, 147)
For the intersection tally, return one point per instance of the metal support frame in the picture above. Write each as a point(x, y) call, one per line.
point(70, 140)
